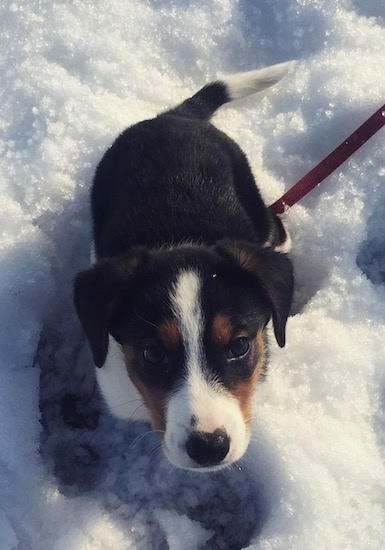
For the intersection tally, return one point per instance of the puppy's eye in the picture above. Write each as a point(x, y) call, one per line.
point(155, 354)
point(238, 347)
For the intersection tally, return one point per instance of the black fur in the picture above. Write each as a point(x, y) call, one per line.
point(171, 192)
point(178, 178)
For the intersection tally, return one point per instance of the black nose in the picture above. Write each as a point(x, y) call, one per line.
point(207, 448)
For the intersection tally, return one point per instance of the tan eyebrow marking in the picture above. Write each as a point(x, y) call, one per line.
point(222, 329)
point(168, 332)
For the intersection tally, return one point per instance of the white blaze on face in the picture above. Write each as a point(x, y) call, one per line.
point(200, 403)
point(187, 307)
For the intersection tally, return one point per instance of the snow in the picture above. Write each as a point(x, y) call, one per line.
point(76, 73)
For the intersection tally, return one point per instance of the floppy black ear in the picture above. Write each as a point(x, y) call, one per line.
point(96, 292)
point(273, 272)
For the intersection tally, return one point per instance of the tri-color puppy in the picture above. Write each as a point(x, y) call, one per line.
point(190, 267)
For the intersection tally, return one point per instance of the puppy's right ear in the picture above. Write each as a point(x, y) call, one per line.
point(96, 294)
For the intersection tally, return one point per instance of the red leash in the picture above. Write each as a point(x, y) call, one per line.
point(331, 162)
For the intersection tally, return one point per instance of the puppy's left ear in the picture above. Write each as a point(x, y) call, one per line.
point(273, 273)
point(96, 294)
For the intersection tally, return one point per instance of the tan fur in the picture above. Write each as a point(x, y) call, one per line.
point(169, 333)
point(244, 391)
point(154, 399)
point(222, 329)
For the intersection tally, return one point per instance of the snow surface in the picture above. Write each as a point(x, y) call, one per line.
point(74, 74)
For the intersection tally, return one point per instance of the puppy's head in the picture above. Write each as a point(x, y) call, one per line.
point(190, 323)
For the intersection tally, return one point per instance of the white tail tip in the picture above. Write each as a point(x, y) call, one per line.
point(244, 84)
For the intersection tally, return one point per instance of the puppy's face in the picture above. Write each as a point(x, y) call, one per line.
point(190, 323)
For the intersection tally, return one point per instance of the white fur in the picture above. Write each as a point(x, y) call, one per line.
point(185, 298)
point(244, 84)
point(120, 394)
point(200, 397)
point(92, 253)
point(285, 247)
point(213, 408)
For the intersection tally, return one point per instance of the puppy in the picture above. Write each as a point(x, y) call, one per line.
point(190, 267)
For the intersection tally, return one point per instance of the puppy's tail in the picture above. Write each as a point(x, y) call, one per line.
point(204, 103)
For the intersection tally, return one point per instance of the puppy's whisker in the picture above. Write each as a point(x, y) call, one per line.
point(229, 469)
point(137, 409)
point(259, 441)
point(138, 439)
point(116, 353)
point(155, 453)
point(159, 431)
point(146, 321)
point(117, 405)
